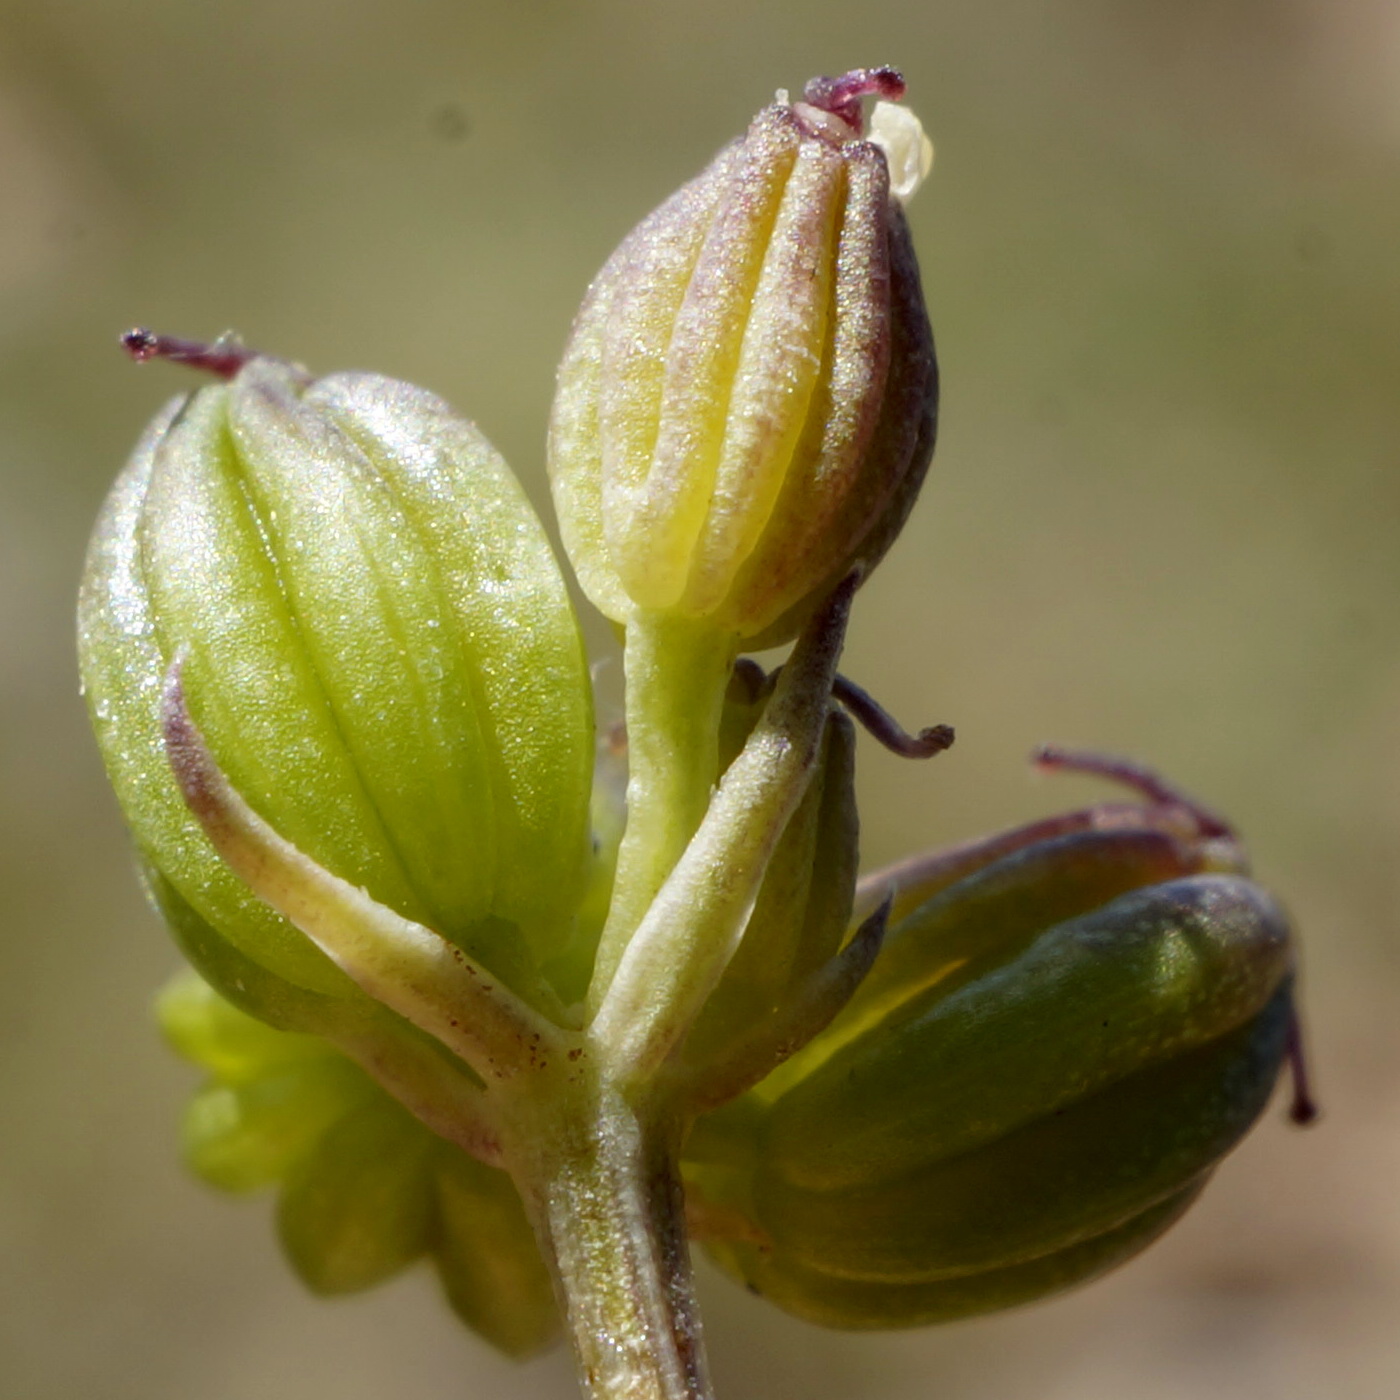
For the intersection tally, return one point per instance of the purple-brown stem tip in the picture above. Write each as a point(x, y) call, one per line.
point(841, 96)
point(223, 357)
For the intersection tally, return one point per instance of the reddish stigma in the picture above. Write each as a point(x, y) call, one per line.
point(1142, 780)
point(1303, 1109)
point(223, 357)
point(841, 96)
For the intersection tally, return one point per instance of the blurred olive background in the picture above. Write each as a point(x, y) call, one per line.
point(1160, 247)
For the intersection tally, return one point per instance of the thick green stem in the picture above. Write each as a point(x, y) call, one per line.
point(603, 1189)
point(676, 677)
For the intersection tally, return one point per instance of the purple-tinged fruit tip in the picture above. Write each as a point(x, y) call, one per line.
point(841, 96)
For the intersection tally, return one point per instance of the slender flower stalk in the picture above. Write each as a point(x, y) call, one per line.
point(677, 674)
point(694, 925)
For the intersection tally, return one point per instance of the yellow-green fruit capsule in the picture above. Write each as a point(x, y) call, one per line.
point(270, 1096)
point(366, 1187)
point(748, 402)
point(377, 647)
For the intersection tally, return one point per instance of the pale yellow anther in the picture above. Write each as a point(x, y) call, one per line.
point(908, 151)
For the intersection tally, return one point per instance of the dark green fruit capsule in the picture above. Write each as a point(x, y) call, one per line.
point(988, 1138)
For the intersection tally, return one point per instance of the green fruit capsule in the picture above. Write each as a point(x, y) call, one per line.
point(376, 645)
point(999, 1137)
point(1153, 974)
point(1046, 1183)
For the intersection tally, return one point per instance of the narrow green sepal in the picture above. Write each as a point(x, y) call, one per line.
point(417, 1070)
point(244, 983)
point(802, 910)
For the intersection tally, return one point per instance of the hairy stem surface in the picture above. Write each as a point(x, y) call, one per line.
point(601, 1183)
